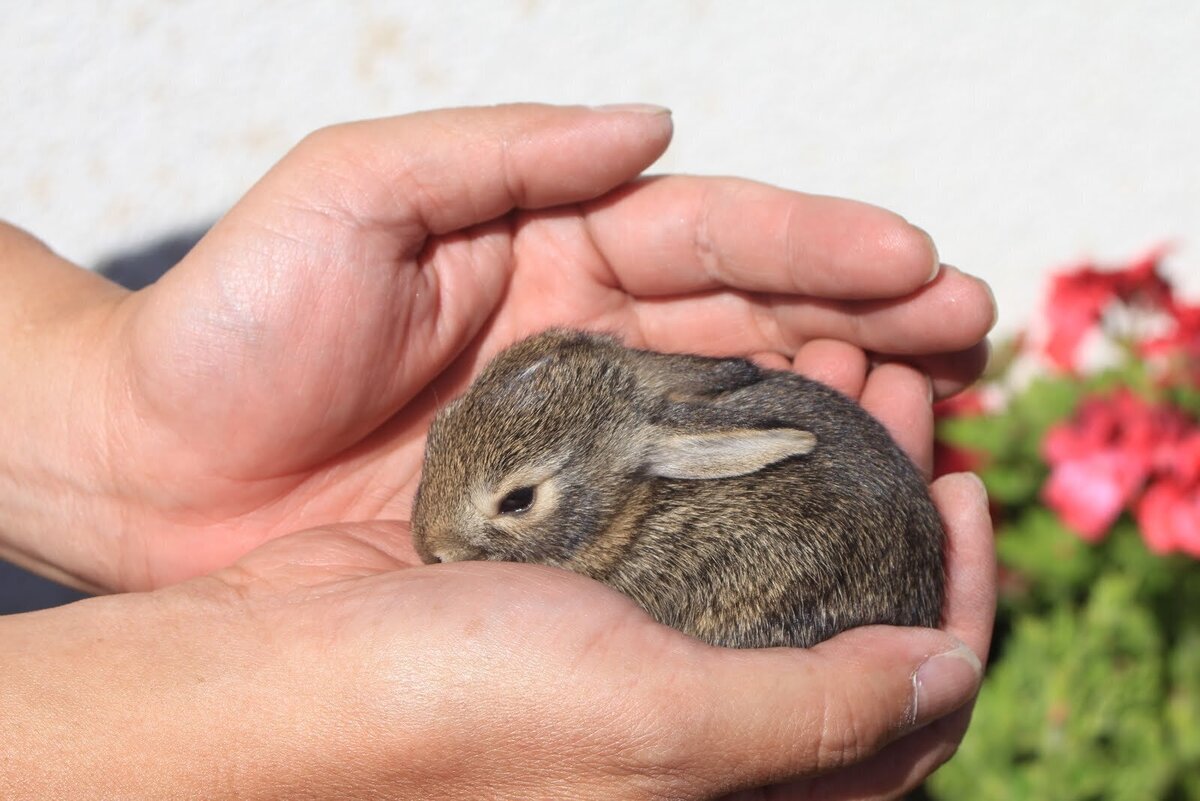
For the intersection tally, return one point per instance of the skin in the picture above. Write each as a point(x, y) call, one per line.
point(281, 378)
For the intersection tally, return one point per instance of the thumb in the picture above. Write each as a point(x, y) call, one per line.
point(439, 171)
point(313, 284)
point(787, 713)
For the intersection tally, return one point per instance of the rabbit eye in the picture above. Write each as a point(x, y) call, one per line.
point(517, 501)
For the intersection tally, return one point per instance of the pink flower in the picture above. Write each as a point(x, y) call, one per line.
point(1141, 283)
point(1078, 300)
point(1182, 340)
point(1089, 492)
point(1169, 517)
point(1095, 426)
point(1121, 421)
point(1181, 459)
point(1102, 458)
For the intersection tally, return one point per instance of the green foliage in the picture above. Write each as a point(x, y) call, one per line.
point(1072, 711)
point(1187, 398)
point(1011, 439)
point(1093, 690)
point(1054, 565)
point(1096, 694)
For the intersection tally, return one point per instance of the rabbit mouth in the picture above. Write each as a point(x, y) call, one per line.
point(451, 553)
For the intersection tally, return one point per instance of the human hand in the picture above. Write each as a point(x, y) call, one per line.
point(283, 375)
point(326, 663)
point(898, 395)
point(330, 664)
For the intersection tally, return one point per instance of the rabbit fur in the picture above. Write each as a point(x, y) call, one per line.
point(744, 506)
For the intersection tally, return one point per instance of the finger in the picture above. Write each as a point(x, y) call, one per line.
point(899, 767)
point(953, 372)
point(970, 559)
point(950, 314)
point(440, 171)
point(327, 553)
point(900, 397)
point(953, 312)
point(782, 713)
point(52, 571)
point(686, 234)
point(836, 364)
point(771, 360)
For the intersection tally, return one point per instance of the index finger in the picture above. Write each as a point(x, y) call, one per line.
point(680, 234)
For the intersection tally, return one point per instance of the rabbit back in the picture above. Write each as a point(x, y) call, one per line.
point(839, 531)
point(843, 536)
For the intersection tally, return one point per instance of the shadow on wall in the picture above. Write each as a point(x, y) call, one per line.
point(138, 268)
point(21, 591)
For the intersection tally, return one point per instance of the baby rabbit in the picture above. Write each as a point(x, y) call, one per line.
point(746, 507)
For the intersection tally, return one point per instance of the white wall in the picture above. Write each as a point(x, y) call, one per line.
point(1020, 134)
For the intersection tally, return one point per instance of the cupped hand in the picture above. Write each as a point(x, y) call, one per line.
point(329, 664)
point(283, 374)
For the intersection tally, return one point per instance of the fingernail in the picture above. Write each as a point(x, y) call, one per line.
point(991, 293)
point(632, 108)
point(943, 683)
point(937, 262)
point(995, 308)
point(977, 482)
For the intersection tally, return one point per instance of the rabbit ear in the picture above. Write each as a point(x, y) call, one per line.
point(724, 454)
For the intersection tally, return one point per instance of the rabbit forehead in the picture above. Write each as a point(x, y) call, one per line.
point(552, 395)
point(539, 370)
point(493, 444)
point(485, 437)
point(531, 407)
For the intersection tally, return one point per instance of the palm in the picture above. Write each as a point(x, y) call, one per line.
point(282, 376)
point(571, 657)
point(532, 270)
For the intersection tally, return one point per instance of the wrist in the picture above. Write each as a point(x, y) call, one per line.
point(137, 696)
point(189, 692)
point(73, 724)
point(170, 693)
point(58, 322)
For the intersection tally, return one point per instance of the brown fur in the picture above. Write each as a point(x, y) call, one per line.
point(786, 551)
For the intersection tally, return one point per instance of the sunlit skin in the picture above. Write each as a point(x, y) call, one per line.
point(281, 377)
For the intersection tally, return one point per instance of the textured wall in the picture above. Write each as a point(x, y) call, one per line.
point(1020, 134)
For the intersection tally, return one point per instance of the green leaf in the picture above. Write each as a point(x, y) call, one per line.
point(1183, 702)
point(1013, 486)
point(1056, 562)
point(1187, 398)
point(992, 434)
point(1073, 709)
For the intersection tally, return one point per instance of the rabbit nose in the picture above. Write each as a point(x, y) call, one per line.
point(453, 553)
point(444, 554)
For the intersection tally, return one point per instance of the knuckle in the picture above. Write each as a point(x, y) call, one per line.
point(325, 138)
point(845, 733)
